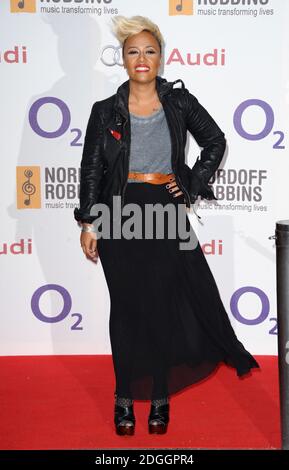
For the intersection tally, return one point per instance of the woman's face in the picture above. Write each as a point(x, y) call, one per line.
point(142, 48)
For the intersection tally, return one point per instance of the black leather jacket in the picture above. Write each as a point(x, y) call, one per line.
point(105, 158)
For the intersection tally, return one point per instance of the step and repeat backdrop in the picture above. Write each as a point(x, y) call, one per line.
point(57, 57)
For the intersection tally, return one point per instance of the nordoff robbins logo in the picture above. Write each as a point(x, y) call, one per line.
point(174, 227)
point(111, 55)
point(233, 2)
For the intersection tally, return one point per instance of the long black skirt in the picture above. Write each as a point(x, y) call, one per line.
point(168, 326)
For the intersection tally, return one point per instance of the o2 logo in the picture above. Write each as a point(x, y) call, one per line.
point(268, 126)
point(67, 303)
point(64, 126)
point(265, 309)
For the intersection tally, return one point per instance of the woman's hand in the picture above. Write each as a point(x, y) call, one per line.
point(88, 243)
point(173, 187)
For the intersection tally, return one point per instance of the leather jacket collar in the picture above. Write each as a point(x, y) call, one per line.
point(162, 85)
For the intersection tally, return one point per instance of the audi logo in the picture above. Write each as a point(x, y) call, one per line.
point(111, 55)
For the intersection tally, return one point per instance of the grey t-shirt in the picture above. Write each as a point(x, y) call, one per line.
point(150, 150)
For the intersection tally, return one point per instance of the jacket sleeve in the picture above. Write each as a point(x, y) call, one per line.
point(91, 168)
point(209, 136)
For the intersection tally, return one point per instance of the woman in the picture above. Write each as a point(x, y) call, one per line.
point(168, 326)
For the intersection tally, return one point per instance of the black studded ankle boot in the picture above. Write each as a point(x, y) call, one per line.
point(159, 416)
point(124, 418)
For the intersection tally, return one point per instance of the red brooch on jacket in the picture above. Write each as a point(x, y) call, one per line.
point(115, 134)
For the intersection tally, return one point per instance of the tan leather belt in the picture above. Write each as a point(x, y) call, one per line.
point(153, 178)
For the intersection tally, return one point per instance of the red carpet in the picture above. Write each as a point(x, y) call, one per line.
point(66, 402)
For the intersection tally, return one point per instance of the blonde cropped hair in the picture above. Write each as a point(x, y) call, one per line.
point(124, 27)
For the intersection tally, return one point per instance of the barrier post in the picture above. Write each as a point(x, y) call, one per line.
point(282, 276)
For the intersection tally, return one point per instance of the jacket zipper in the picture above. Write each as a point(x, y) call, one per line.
point(126, 157)
point(179, 180)
point(184, 189)
point(187, 196)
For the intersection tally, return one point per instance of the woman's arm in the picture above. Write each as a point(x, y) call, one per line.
point(91, 170)
point(208, 135)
